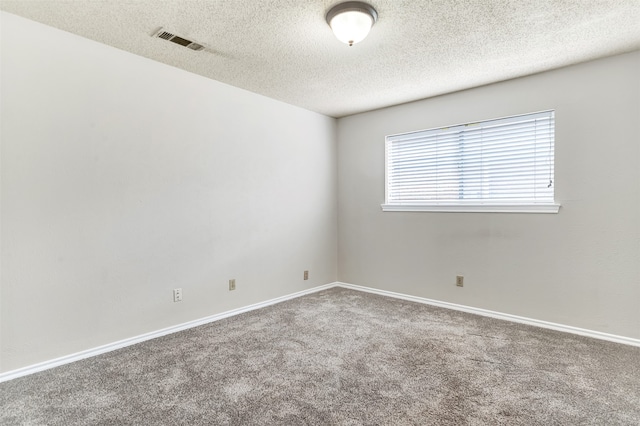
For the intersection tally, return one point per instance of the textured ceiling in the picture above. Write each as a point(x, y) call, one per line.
point(285, 50)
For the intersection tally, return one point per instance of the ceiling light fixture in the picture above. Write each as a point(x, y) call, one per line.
point(351, 21)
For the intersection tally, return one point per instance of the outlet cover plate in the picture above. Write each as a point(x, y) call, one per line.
point(177, 295)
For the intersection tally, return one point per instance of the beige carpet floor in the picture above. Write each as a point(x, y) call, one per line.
point(341, 357)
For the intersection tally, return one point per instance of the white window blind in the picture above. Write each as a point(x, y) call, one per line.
point(497, 165)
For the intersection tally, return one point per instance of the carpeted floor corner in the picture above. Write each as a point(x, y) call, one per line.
point(341, 357)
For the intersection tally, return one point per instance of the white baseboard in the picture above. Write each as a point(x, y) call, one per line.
point(24, 371)
point(499, 315)
point(152, 335)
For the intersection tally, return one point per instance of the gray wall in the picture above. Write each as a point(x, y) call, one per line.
point(123, 178)
point(580, 267)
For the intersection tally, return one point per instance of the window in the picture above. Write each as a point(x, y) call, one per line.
point(502, 165)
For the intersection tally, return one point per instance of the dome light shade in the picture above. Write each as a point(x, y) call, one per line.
point(351, 21)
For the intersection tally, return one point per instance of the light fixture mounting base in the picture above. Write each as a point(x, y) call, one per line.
point(352, 6)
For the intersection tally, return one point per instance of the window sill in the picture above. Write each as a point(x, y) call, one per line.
point(473, 208)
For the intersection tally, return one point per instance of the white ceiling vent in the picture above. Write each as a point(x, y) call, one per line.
point(161, 33)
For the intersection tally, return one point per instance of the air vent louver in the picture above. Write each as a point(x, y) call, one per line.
point(165, 35)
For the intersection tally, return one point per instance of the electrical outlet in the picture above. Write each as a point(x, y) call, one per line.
point(460, 281)
point(232, 284)
point(306, 275)
point(177, 295)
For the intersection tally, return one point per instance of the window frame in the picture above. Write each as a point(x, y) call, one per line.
point(470, 205)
